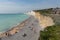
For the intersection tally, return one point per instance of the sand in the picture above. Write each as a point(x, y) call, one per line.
point(29, 27)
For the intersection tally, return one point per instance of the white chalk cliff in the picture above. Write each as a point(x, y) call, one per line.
point(44, 21)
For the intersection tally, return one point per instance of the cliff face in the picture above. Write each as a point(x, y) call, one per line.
point(44, 21)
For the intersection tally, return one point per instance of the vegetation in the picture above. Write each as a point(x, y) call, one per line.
point(45, 11)
point(50, 33)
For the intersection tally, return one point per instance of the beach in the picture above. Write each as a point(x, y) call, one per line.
point(14, 29)
point(27, 30)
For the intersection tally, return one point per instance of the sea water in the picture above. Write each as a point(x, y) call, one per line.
point(8, 21)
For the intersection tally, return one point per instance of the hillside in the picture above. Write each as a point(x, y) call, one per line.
point(51, 32)
point(44, 21)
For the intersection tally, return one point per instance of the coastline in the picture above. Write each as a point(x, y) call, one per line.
point(31, 29)
point(14, 29)
point(36, 22)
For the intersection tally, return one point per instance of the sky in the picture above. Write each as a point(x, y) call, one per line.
point(17, 6)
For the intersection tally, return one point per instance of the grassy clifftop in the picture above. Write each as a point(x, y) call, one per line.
point(51, 12)
point(44, 11)
point(51, 32)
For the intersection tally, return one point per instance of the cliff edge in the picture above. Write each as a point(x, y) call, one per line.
point(44, 21)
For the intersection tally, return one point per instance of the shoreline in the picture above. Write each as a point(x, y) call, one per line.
point(14, 29)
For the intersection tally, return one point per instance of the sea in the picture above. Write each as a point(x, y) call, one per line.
point(8, 21)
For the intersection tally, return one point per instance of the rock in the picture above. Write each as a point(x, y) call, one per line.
point(44, 21)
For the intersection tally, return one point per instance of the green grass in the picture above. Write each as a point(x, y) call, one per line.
point(44, 11)
point(50, 33)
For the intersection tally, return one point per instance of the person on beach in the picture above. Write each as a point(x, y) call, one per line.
point(24, 35)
